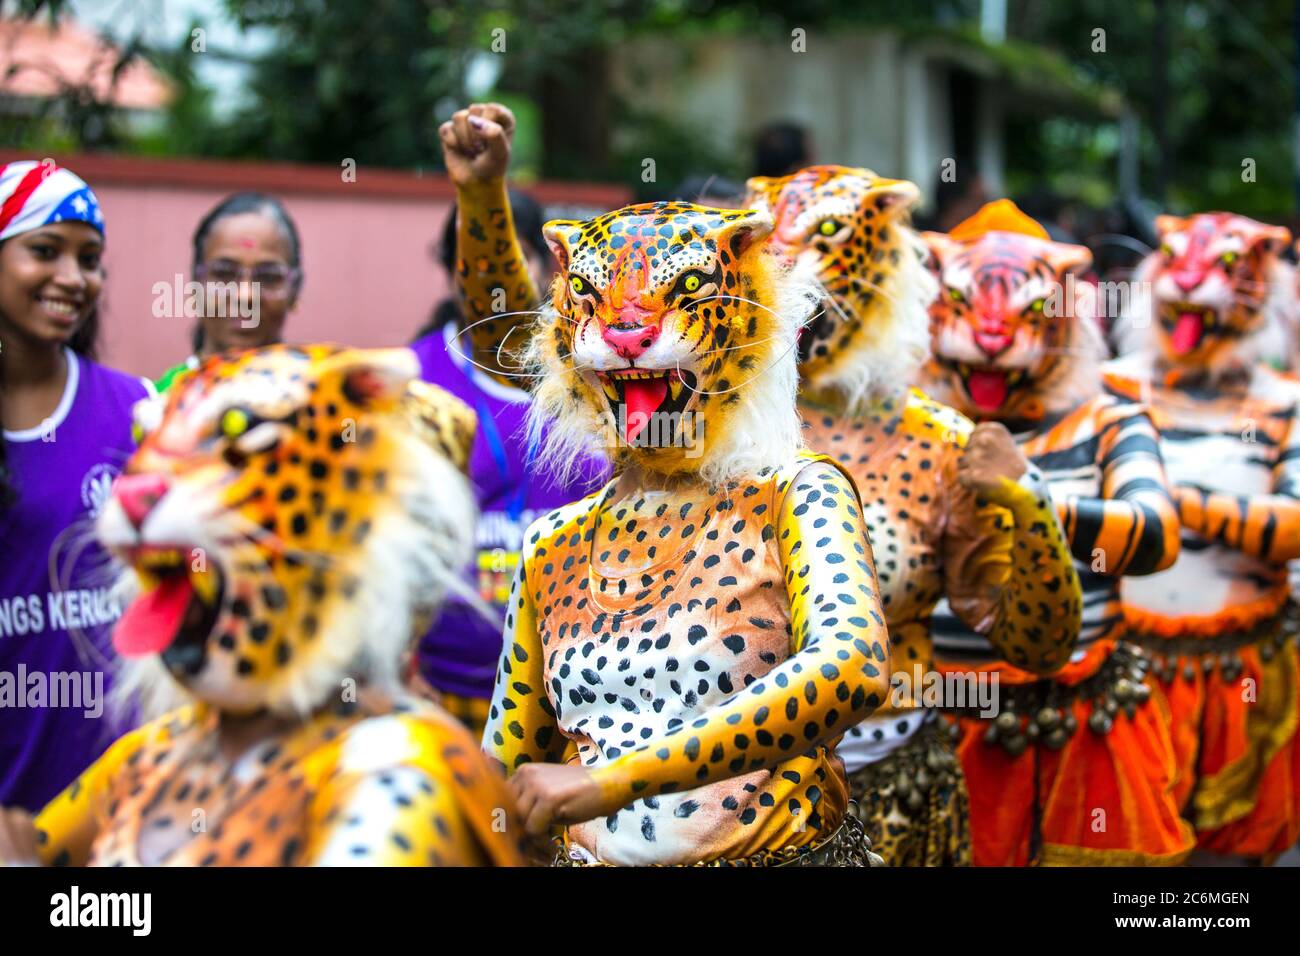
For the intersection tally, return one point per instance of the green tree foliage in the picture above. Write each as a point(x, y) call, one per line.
point(1231, 98)
point(371, 79)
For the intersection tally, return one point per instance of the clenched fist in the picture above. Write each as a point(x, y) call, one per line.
point(17, 838)
point(991, 454)
point(476, 143)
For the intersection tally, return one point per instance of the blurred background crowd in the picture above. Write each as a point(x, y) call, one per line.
point(1092, 114)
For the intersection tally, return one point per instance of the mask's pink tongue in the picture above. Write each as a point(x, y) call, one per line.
point(153, 620)
point(989, 389)
point(641, 398)
point(1187, 332)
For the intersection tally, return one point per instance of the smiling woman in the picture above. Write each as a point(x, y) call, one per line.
point(67, 431)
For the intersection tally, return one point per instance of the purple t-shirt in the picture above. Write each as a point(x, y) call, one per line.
point(56, 609)
point(459, 654)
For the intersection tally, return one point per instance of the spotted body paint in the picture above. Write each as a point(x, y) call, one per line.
point(265, 493)
point(1001, 561)
point(698, 642)
point(356, 787)
point(493, 283)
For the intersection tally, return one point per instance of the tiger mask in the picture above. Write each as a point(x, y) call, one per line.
point(291, 518)
point(848, 230)
point(667, 317)
point(1218, 292)
point(1013, 335)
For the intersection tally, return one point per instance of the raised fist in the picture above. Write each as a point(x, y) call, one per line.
point(476, 143)
point(991, 454)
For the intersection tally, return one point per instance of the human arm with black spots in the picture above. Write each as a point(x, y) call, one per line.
point(67, 826)
point(1133, 527)
point(402, 816)
point(409, 790)
point(1264, 526)
point(521, 726)
point(1007, 568)
point(491, 273)
point(836, 675)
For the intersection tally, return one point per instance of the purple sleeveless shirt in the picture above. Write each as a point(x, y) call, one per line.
point(54, 631)
point(459, 654)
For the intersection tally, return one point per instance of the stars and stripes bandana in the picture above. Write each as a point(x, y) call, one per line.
point(36, 194)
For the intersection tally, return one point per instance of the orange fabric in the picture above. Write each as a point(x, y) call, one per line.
point(1271, 827)
point(1127, 774)
point(1242, 784)
point(1235, 617)
point(1186, 699)
point(1130, 774)
point(1001, 215)
point(1069, 675)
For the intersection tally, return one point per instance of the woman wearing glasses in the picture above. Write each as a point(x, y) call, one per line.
point(248, 257)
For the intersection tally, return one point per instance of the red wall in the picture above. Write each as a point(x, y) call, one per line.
point(370, 277)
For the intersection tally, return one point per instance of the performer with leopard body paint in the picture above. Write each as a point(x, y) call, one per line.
point(282, 571)
point(696, 635)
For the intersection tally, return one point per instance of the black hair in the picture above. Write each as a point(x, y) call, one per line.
point(697, 188)
point(236, 204)
point(780, 149)
point(85, 342)
point(528, 216)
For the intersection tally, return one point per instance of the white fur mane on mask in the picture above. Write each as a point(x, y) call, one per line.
point(1137, 328)
point(888, 355)
point(762, 433)
point(414, 555)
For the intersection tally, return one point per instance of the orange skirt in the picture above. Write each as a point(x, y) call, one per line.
point(1237, 749)
point(1102, 799)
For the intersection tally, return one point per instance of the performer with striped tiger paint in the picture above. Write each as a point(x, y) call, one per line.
point(1218, 623)
point(1219, 294)
point(1078, 768)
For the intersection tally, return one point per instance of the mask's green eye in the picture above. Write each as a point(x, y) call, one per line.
point(234, 422)
point(1228, 258)
point(829, 227)
point(956, 296)
point(137, 432)
point(579, 285)
point(691, 283)
point(1037, 305)
point(1166, 251)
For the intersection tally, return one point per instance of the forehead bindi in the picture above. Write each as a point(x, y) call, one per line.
point(253, 237)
